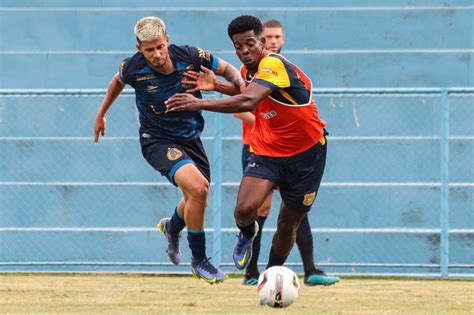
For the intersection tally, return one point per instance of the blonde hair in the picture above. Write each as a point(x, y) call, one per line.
point(149, 28)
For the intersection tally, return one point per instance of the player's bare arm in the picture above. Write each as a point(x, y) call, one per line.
point(247, 117)
point(113, 91)
point(244, 102)
point(232, 75)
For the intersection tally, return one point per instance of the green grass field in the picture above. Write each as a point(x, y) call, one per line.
point(119, 293)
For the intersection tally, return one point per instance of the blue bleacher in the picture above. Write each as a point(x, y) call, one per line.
point(54, 179)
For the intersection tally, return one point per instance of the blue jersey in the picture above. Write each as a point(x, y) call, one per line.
point(152, 89)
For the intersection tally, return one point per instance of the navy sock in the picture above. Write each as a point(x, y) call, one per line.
point(249, 230)
point(304, 240)
point(275, 260)
point(197, 244)
point(252, 268)
point(177, 223)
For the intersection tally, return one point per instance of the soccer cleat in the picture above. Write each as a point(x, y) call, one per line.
point(250, 281)
point(319, 277)
point(173, 241)
point(203, 269)
point(243, 250)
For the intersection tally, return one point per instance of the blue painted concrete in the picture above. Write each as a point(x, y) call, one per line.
point(354, 115)
point(82, 160)
point(64, 44)
point(148, 247)
point(327, 29)
point(347, 69)
point(141, 206)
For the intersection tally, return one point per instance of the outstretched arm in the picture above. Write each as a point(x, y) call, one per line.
point(114, 90)
point(245, 102)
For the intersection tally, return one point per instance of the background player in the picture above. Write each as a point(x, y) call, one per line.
point(171, 142)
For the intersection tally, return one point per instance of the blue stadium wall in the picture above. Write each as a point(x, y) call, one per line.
point(67, 204)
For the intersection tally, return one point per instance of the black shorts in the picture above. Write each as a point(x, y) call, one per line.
point(298, 177)
point(245, 156)
point(168, 156)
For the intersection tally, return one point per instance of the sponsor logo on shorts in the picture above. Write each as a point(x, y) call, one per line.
point(173, 154)
point(309, 199)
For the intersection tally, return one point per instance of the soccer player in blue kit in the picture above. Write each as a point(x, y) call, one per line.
point(170, 141)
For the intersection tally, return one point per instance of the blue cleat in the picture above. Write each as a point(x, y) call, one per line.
point(173, 241)
point(319, 277)
point(203, 269)
point(243, 250)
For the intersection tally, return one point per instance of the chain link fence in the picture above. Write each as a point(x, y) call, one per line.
point(397, 196)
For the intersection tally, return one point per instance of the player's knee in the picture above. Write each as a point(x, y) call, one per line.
point(244, 211)
point(199, 191)
point(287, 228)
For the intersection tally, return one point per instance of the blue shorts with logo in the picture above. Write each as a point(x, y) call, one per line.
point(298, 177)
point(168, 156)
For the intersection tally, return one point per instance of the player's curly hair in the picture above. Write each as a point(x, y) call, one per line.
point(243, 24)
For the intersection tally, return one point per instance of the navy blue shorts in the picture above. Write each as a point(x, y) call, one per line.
point(168, 156)
point(298, 177)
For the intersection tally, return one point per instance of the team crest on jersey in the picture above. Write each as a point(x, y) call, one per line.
point(309, 199)
point(173, 154)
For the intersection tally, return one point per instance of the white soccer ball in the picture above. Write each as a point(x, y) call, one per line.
point(278, 287)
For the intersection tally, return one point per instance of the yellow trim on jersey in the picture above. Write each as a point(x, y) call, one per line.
point(272, 69)
point(288, 97)
point(322, 140)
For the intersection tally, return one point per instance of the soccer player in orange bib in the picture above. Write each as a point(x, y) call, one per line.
point(287, 138)
point(274, 40)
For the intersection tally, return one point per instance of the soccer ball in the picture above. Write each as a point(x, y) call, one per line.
point(278, 287)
